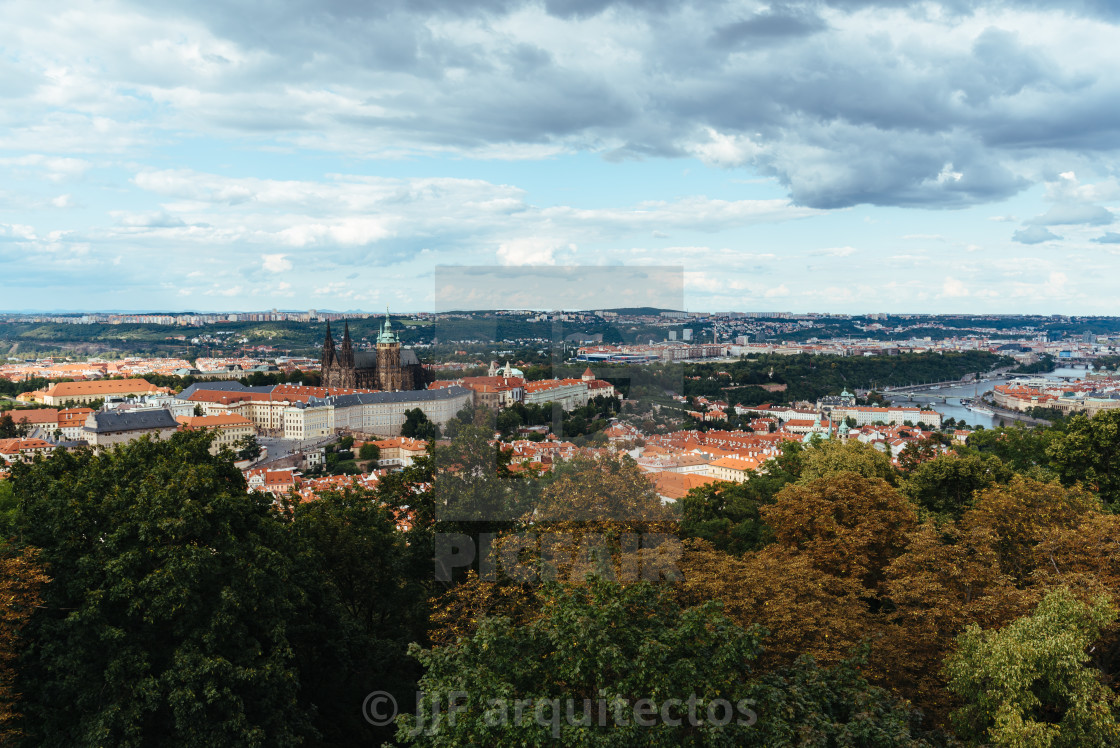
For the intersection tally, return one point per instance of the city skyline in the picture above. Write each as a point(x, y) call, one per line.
point(817, 156)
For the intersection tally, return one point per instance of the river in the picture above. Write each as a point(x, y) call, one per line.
point(952, 407)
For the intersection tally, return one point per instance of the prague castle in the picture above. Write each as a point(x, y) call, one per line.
point(388, 367)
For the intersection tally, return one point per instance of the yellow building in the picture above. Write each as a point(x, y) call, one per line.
point(86, 392)
point(230, 429)
point(733, 469)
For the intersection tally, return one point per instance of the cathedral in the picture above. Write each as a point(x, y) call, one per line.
point(388, 367)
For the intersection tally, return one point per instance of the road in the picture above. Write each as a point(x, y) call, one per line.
point(279, 448)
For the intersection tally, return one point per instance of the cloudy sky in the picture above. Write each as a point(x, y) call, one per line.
point(830, 155)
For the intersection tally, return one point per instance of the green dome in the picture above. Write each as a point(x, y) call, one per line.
point(387, 334)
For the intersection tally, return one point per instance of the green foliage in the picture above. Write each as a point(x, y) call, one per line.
point(165, 620)
point(945, 485)
point(786, 467)
point(609, 644)
point(8, 506)
point(248, 448)
point(1029, 684)
point(829, 457)
point(1089, 452)
point(727, 514)
point(1024, 450)
point(367, 599)
point(1045, 363)
point(417, 425)
point(472, 483)
point(812, 377)
point(809, 705)
point(369, 451)
point(603, 648)
point(9, 429)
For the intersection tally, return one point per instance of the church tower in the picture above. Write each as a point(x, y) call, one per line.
point(327, 370)
point(346, 360)
point(388, 357)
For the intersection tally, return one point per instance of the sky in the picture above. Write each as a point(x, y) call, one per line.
point(844, 156)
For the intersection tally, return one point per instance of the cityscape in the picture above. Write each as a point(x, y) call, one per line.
point(559, 372)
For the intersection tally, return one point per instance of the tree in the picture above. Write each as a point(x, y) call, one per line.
point(8, 506)
point(805, 611)
point(367, 599)
point(726, 515)
point(849, 525)
point(9, 429)
point(604, 664)
point(21, 579)
point(198, 411)
point(810, 705)
point(945, 580)
point(831, 457)
point(417, 425)
point(590, 491)
point(370, 451)
point(600, 647)
point(946, 484)
point(1025, 450)
point(1089, 452)
point(248, 448)
point(1022, 514)
point(1028, 683)
point(166, 617)
point(916, 453)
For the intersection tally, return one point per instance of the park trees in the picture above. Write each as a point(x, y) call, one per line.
point(21, 582)
point(1029, 684)
point(417, 426)
point(726, 515)
point(847, 524)
point(606, 664)
point(365, 599)
point(369, 451)
point(1022, 513)
point(831, 457)
point(166, 614)
point(946, 484)
point(1088, 452)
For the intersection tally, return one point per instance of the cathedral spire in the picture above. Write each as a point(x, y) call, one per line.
point(346, 352)
point(328, 346)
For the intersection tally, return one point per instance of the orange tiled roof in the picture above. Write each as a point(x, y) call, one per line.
point(33, 416)
point(676, 485)
point(103, 387)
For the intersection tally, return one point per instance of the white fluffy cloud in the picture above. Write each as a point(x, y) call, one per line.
point(276, 263)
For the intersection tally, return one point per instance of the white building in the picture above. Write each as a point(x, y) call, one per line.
point(867, 416)
point(380, 413)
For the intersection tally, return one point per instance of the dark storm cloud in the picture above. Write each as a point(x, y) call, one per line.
point(842, 110)
point(769, 28)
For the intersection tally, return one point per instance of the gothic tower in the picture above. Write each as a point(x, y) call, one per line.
point(346, 360)
point(388, 357)
point(328, 362)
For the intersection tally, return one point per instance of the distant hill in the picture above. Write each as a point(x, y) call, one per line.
point(641, 310)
